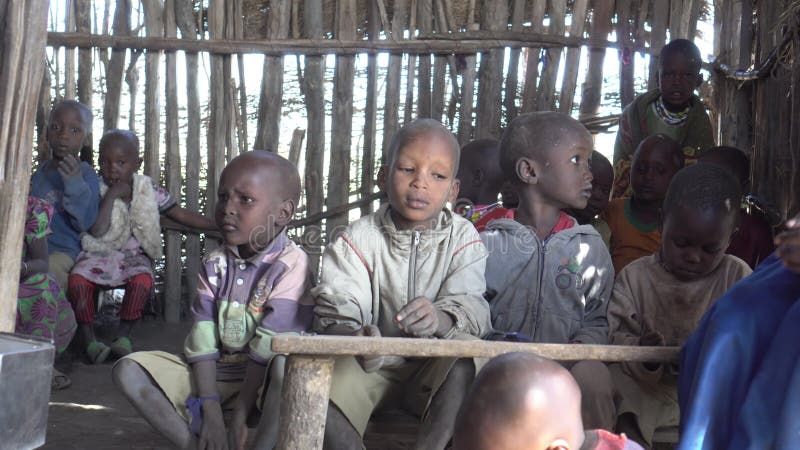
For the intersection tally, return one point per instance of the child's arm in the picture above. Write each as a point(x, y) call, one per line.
point(595, 323)
point(36, 260)
point(103, 222)
point(81, 193)
point(212, 432)
point(191, 219)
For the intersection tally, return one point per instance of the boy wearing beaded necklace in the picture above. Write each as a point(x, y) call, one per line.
point(672, 110)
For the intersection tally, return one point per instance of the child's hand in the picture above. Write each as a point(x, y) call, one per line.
point(652, 339)
point(212, 434)
point(237, 432)
point(120, 190)
point(788, 245)
point(418, 318)
point(369, 363)
point(69, 168)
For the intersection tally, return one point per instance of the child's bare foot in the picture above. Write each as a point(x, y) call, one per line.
point(59, 380)
point(97, 352)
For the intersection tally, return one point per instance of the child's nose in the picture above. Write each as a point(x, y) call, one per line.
point(692, 256)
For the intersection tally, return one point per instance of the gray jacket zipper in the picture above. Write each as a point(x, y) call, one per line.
point(412, 267)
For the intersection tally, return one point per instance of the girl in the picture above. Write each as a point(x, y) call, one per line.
point(120, 248)
point(42, 309)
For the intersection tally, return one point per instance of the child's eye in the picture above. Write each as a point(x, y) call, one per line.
point(76, 130)
point(222, 197)
point(247, 200)
point(439, 176)
point(711, 250)
point(680, 243)
point(574, 159)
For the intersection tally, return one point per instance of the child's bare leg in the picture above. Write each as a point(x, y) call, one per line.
point(339, 433)
point(437, 429)
point(626, 423)
point(267, 434)
point(147, 398)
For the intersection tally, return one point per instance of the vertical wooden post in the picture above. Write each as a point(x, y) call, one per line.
point(217, 126)
point(116, 65)
point(512, 79)
point(229, 102)
point(185, 19)
point(238, 34)
point(658, 37)
point(530, 91)
point(342, 119)
point(314, 92)
point(42, 116)
point(425, 21)
point(173, 266)
point(494, 17)
point(392, 105)
point(732, 100)
point(271, 99)
point(624, 30)
point(22, 41)
point(412, 63)
point(593, 83)
point(83, 24)
point(370, 112)
point(296, 145)
point(154, 24)
point(465, 129)
point(445, 23)
point(69, 52)
point(571, 64)
point(305, 402)
point(547, 86)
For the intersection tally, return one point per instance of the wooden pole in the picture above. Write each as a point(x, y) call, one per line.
point(342, 118)
point(392, 103)
point(572, 63)
point(411, 70)
point(658, 37)
point(593, 82)
point(305, 402)
point(238, 33)
point(732, 98)
point(533, 54)
point(296, 145)
point(116, 66)
point(314, 92)
point(424, 97)
point(154, 25)
point(465, 123)
point(69, 52)
point(229, 102)
point(83, 24)
point(22, 43)
point(217, 126)
point(494, 16)
point(185, 18)
point(624, 30)
point(547, 86)
point(371, 109)
point(512, 79)
point(271, 99)
point(445, 23)
point(42, 116)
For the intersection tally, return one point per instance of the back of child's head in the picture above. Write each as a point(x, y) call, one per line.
point(731, 158)
point(602, 181)
point(685, 48)
point(534, 135)
point(479, 171)
point(656, 160)
point(421, 129)
point(699, 214)
point(520, 401)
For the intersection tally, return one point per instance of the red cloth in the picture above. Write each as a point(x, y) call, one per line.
point(565, 221)
point(81, 295)
point(753, 241)
point(481, 215)
point(604, 440)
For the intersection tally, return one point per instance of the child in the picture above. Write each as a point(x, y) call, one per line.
point(511, 406)
point(42, 309)
point(549, 279)
point(659, 299)
point(634, 221)
point(250, 289)
point(752, 241)
point(411, 269)
point(480, 181)
point(602, 179)
point(672, 110)
point(67, 184)
point(122, 244)
point(738, 386)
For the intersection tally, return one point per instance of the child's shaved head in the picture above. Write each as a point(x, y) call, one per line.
point(520, 401)
point(479, 171)
point(125, 139)
point(533, 135)
point(417, 129)
point(731, 158)
point(289, 184)
point(83, 110)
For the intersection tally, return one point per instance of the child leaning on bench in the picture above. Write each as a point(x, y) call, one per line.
point(547, 277)
point(411, 269)
point(250, 289)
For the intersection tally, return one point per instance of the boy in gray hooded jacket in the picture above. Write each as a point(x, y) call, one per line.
point(549, 279)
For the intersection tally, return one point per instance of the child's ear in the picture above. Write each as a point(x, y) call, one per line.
point(285, 213)
point(382, 177)
point(558, 444)
point(454, 190)
point(527, 171)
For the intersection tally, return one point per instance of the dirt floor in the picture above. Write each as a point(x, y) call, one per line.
point(91, 414)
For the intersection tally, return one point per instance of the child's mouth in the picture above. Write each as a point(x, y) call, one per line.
point(417, 203)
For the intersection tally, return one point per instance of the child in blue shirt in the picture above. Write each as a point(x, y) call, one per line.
point(68, 184)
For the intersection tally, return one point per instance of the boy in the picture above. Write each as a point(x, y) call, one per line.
point(634, 221)
point(511, 406)
point(752, 241)
point(68, 184)
point(672, 110)
point(480, 182)
point(549, 279)
point(602, 180)
point(411, 269)
point(250, 289)
point(658, 300)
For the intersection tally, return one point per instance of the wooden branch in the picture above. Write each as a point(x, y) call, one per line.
point(572, 62)
point(271, 98)
point(593, 83)
point(494, 17)
point(530, 90)
point(438, 348)
point(371, 109)
point(337, 211)
point(116, 66)
point(172, 241)
point(438, 43)
point(546, 96)
point(153, 11)
point(305, 402)
point(391, 114)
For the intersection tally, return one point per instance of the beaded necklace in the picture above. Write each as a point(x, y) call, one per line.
point(674, 119)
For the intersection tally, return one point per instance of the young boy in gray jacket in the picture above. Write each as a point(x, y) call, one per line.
point(549, 279)
point(411, 269)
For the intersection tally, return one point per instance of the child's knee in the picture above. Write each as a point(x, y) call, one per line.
point(463, 370)
point(594, 378)
point(277, 367)
point(127, 375)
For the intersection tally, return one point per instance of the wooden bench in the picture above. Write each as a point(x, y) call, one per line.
point(310, 365)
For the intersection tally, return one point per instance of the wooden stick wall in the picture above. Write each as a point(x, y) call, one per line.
point(448, 60)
